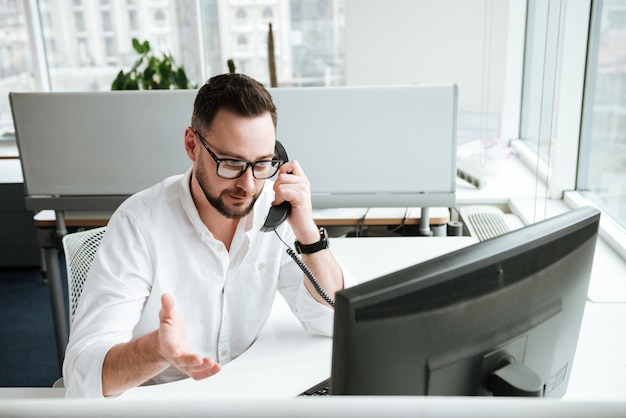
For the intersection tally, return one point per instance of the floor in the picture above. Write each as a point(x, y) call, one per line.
point(27, 350)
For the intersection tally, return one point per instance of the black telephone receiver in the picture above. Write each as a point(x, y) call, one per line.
point(278, 213)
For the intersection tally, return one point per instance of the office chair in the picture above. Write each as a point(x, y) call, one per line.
point(79, 248)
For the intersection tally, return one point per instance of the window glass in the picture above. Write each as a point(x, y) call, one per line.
point(202, 36)
point(15, 60)
point(79, 21)
point(107, 24)
point(539, 74)
point(602, 172)
point(308, 39)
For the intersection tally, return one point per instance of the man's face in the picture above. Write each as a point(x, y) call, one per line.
point(239, 138)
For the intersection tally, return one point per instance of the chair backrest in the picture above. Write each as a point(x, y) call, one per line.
point(79, 248)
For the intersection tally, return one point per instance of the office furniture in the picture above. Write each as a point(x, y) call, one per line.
point(326, 217)
point(19, 246)
point(344, 406)
point(598, 373)
point(361, 147)
point(79, 249)
point(284, 341)
point(286, 359)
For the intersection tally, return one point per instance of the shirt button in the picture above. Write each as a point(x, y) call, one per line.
point(223, 353)
point(261, 265)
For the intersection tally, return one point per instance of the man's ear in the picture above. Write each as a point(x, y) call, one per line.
point(190, 143)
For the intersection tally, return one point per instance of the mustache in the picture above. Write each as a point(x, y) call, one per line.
point(238, 193)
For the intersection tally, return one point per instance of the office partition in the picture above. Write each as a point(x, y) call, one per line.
point(360, 146)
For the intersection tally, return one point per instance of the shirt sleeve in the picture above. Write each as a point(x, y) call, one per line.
point(315, 317)
point(110, 305)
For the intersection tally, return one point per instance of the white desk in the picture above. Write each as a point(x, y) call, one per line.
point(292, 358)
point(51, 228)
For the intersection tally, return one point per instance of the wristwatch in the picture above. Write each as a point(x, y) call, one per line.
point(316, 246)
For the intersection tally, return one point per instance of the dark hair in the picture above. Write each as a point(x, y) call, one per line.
point(237, 93)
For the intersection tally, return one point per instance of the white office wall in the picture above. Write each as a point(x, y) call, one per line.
point(425, 41)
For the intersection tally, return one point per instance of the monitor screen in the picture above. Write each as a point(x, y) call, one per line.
point(500, 317)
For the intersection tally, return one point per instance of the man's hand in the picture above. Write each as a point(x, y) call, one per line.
point(174, 346)
point(293, 186)
point(127, 365)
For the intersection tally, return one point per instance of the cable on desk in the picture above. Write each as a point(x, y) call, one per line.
point(403, 222)
point(359, 226)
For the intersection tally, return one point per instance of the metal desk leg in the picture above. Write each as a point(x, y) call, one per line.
point(48, 241)
point(424, 228)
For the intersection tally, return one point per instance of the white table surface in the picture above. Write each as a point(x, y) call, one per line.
point(295, 359)
point(286, 360)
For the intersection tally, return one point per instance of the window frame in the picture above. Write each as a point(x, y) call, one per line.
point(562, 172)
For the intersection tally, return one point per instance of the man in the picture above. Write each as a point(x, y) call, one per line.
point(184, 279)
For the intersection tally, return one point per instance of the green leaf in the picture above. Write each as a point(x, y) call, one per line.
point(131, 84)
point(181, 79)
point(137, 46)
point(165, 69)
point(120, 80)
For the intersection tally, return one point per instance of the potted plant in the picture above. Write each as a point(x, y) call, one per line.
point(150, 72)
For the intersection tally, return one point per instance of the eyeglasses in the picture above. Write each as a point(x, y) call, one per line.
point(232, 169)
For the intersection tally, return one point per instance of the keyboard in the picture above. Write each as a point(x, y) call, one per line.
point(321, 389)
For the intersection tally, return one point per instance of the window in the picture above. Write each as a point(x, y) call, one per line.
point(107, 25)
point(241, 17)
point(602, 165)
point(15, 68)
point(79, 21)
point(109, 44)
point(268, 16)
point(573, 103)
point(83, 50)
point(133, 21)
point(539, 74)
point(242, 44)
point(159, 19)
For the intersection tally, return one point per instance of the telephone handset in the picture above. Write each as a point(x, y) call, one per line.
point(278, 213)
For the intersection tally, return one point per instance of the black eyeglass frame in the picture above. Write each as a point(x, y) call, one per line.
point(272, 163)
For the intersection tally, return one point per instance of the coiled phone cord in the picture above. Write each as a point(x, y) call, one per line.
point(307, 272)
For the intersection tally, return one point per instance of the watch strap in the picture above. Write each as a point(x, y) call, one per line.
point(322, 244)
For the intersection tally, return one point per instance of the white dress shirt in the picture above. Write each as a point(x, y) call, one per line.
point(156, 243)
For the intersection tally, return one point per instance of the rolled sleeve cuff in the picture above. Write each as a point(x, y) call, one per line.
point(315, 316)
point(82, 376)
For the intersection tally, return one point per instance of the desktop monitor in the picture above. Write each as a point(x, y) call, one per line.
point(500, 317)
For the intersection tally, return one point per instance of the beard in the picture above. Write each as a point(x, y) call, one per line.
point(216, 198)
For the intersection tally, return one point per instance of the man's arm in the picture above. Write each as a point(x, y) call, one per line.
point(327, 272)
point(293, 186)
point(130, 364)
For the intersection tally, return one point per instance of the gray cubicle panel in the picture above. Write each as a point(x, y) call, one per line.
point(375, 146)
point(80, 150)
point(360, 146)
